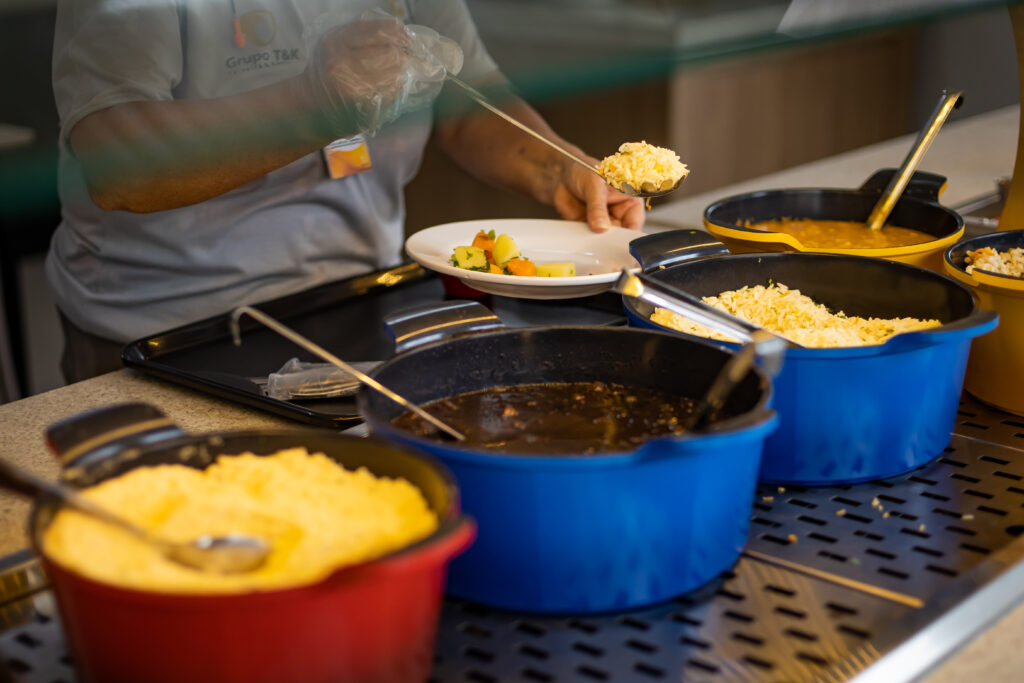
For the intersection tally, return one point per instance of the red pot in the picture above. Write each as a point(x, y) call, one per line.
point(373, 622)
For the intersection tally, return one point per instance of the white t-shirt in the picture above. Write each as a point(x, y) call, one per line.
point(121, 275)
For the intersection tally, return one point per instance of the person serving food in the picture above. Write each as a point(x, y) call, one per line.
point(215, 154)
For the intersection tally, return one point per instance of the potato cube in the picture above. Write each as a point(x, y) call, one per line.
point(505, 249)
point(470, 258)
point(567, 269)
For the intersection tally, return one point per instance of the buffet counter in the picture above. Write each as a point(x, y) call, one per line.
point(972, 153)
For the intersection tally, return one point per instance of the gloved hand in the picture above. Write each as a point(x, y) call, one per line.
point(369, 71)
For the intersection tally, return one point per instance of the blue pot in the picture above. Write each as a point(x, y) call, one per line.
point(846, 414)
point(573, 534)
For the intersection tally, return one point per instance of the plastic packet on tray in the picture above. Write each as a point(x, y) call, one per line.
point(303, 380)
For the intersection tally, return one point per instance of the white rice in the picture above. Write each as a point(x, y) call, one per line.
point(795, 316)
point(1009, 262)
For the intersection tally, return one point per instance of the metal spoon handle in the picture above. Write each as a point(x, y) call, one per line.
point(657, 293)
point(947, 102)
point(486, 104)
point(312, 347)
point(26, 483)
point(764, 344)
point(758, 342)
point(660, 294)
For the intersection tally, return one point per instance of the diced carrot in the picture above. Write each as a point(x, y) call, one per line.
point(483, 241)
point(496, 269)
point(518, 266)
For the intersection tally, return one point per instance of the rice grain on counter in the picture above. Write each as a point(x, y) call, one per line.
point(643, 167)
point(317, 516)
point(1009, 262)
point(795, 316)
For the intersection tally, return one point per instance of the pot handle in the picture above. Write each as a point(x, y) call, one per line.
point(662, 249)
point(452, 538)
point(922, 185)
point(412, 327)
point(97, 434)
point(666, 447)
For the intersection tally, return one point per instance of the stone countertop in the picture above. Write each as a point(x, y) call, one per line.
point(971, 153)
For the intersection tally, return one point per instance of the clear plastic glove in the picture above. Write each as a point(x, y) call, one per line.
point(369, 70)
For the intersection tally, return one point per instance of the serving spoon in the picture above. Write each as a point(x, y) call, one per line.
point(758, 343)
point(314, 348)
point(626, 188)
point(228, 554)
point(948, 101)
point(646, 288)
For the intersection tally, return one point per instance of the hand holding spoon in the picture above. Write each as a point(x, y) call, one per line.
point(625, 189)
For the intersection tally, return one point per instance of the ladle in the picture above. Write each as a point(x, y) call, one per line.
point(482, 100)
point(757, 342)
point(762, 344)
point(948, 101)
point(314, 348)
point(228, 554)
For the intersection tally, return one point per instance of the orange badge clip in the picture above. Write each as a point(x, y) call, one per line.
point(239, 34)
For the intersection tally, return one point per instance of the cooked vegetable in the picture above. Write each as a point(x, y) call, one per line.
point(484, 241)
point(521, 266)
point(505, 249)
point(566, 269)
point(470, 258)
point(501, 256)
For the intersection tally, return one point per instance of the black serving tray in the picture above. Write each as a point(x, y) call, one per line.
point(344, 317)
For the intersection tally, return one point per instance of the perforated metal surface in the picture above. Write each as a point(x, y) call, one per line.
point(756, 622)
point(828, 573)
point(909, 535)
point(34, 650)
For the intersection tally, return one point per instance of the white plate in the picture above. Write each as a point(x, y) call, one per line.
point(599, 257)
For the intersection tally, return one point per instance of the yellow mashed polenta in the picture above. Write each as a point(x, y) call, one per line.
point(316, 515)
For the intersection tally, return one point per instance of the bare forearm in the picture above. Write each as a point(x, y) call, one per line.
point(501, 154)
point(154, 156)
point(495, 151)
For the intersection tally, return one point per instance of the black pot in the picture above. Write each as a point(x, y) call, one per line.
point(918, 209)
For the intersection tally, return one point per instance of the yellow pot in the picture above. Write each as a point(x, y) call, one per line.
point(995, 368)
point(918, 209)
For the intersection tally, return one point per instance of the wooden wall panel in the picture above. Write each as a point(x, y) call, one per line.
point(745, 118)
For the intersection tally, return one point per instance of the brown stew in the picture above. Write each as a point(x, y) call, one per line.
point(821, 234)
point(557, 418)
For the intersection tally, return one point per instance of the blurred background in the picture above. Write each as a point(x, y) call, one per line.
point(738, 88)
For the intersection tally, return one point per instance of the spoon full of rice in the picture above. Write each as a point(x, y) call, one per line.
point(639, 169)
